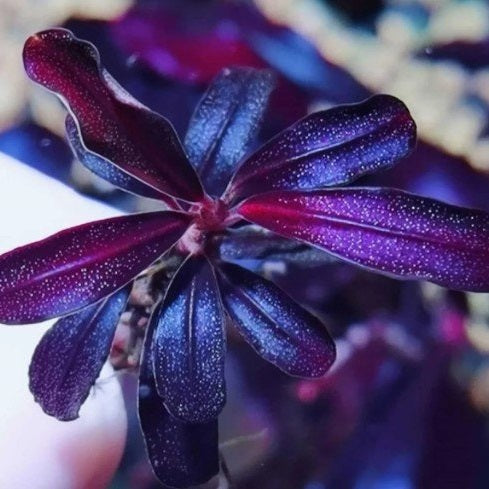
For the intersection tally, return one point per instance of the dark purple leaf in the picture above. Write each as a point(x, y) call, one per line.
point(189, 43)
point(390, 231)
point(258, 244)
point(106, 170)
point(189, 345)
point(112, 123)
point(225, 123)
point(181, 454)
point(432, 172)
point(38, 148)
point(329, 148)
point(69, 357)
point(81, 265)
point(473, 55)
point(279, 329)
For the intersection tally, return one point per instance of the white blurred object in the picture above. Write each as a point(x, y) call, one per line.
point(37, 451)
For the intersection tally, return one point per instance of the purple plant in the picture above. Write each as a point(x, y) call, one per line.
point(85, 273)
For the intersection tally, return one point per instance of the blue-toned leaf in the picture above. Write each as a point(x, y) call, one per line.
point(279, 329)
point(225, 123)
point(189, 344)
point(181, 454)
point(105, 169)
point(331, 147)
point(255, 244)
point(299, 61)
point(69, 357)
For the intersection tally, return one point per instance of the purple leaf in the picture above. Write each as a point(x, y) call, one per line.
point(473, 55)
point(112, 123)
point(390, 231)
point(331, 147)
point(68, 360)
point(189, 345)
point(181, 454)
point(106, 170)
point(170, 39)
point(81, 265)
point(279, 329)
point(225, 123)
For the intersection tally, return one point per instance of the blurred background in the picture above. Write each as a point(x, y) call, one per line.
point(406, 405)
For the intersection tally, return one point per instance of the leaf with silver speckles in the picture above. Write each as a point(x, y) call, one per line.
point(386, 230)
point(181, 454)
point(67, 361)
point(327, 148)
point(189, 344)
point(225, 123)
point(81, 265)
point(279, 329)
point(112, 124)
point(104, 168)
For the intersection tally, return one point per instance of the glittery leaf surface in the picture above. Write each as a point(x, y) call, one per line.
point(69, 357)
point(225, 123)
point(112, 124)
point(329, 148)
point(189, 345)
point(104, 168)
point(181, 454)
point(78, 266)
point(279, 330)
point(387, 230)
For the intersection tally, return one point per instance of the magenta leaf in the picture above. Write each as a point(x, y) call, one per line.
point(189, 344)
point(181, 454)
point(79, 266)
point(331, 147)
point(225, 123)
point(104, 168)
point(279, 329)
point(69, 357)
point(112, 124)
point(387, 230)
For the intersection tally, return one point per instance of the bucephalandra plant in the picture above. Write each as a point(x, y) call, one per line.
point(213, 200)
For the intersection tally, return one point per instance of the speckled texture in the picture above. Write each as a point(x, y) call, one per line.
point(79, 266)
point(329, 148)
point(111, 122)
point(384, 230)
point(189, 345)
point(387, 230)
point(104, 168)
point(225, 123)
point(279, 330)
point(70, 356)
point(181, 454)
